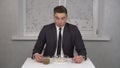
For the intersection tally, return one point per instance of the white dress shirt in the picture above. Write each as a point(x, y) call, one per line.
point(62, 29)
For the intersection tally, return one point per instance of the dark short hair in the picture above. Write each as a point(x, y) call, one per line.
point(60, 9)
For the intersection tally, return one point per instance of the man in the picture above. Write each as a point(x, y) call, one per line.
point(60, 39)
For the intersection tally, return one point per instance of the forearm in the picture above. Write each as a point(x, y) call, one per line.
point(80, 47)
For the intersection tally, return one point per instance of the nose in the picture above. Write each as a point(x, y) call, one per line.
point(60, 20)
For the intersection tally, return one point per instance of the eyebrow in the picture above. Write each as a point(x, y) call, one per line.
point(59, 18)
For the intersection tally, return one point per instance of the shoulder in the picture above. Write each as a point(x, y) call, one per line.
point(72, 26)
point(48, 26)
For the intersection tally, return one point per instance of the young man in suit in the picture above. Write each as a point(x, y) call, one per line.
point(60, 39)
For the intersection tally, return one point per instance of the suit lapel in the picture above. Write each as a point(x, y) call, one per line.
point(54, 32)
point(65, 33)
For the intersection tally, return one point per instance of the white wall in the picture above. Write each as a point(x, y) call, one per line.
point(103, 54)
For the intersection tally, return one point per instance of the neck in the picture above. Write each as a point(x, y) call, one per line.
point(60, 26)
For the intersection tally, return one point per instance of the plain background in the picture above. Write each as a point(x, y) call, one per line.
point(104, 54)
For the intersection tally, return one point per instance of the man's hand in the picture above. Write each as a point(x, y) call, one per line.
point(78, 59)
point(38, 57)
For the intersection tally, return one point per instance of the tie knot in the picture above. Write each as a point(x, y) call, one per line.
point(59, 28)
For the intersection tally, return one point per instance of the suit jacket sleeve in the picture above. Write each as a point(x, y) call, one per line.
point(79, 44)
point(40, 42)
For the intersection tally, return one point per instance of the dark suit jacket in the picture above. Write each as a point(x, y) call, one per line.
point(71, 38)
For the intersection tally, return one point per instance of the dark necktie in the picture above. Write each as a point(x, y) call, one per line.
point(59, 44)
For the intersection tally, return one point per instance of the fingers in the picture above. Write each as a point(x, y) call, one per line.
point(38, 57)
point(78, 59)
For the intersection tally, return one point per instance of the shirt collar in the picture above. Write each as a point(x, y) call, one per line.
point(59, 27)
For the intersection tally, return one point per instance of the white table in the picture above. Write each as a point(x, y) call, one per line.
point(30, 63)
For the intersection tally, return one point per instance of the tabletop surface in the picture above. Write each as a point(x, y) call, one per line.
point(30, 63)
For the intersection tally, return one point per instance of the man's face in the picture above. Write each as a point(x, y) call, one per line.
point(60, 19)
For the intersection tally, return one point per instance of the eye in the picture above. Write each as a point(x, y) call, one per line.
point(57, 18)
point(63, 18)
